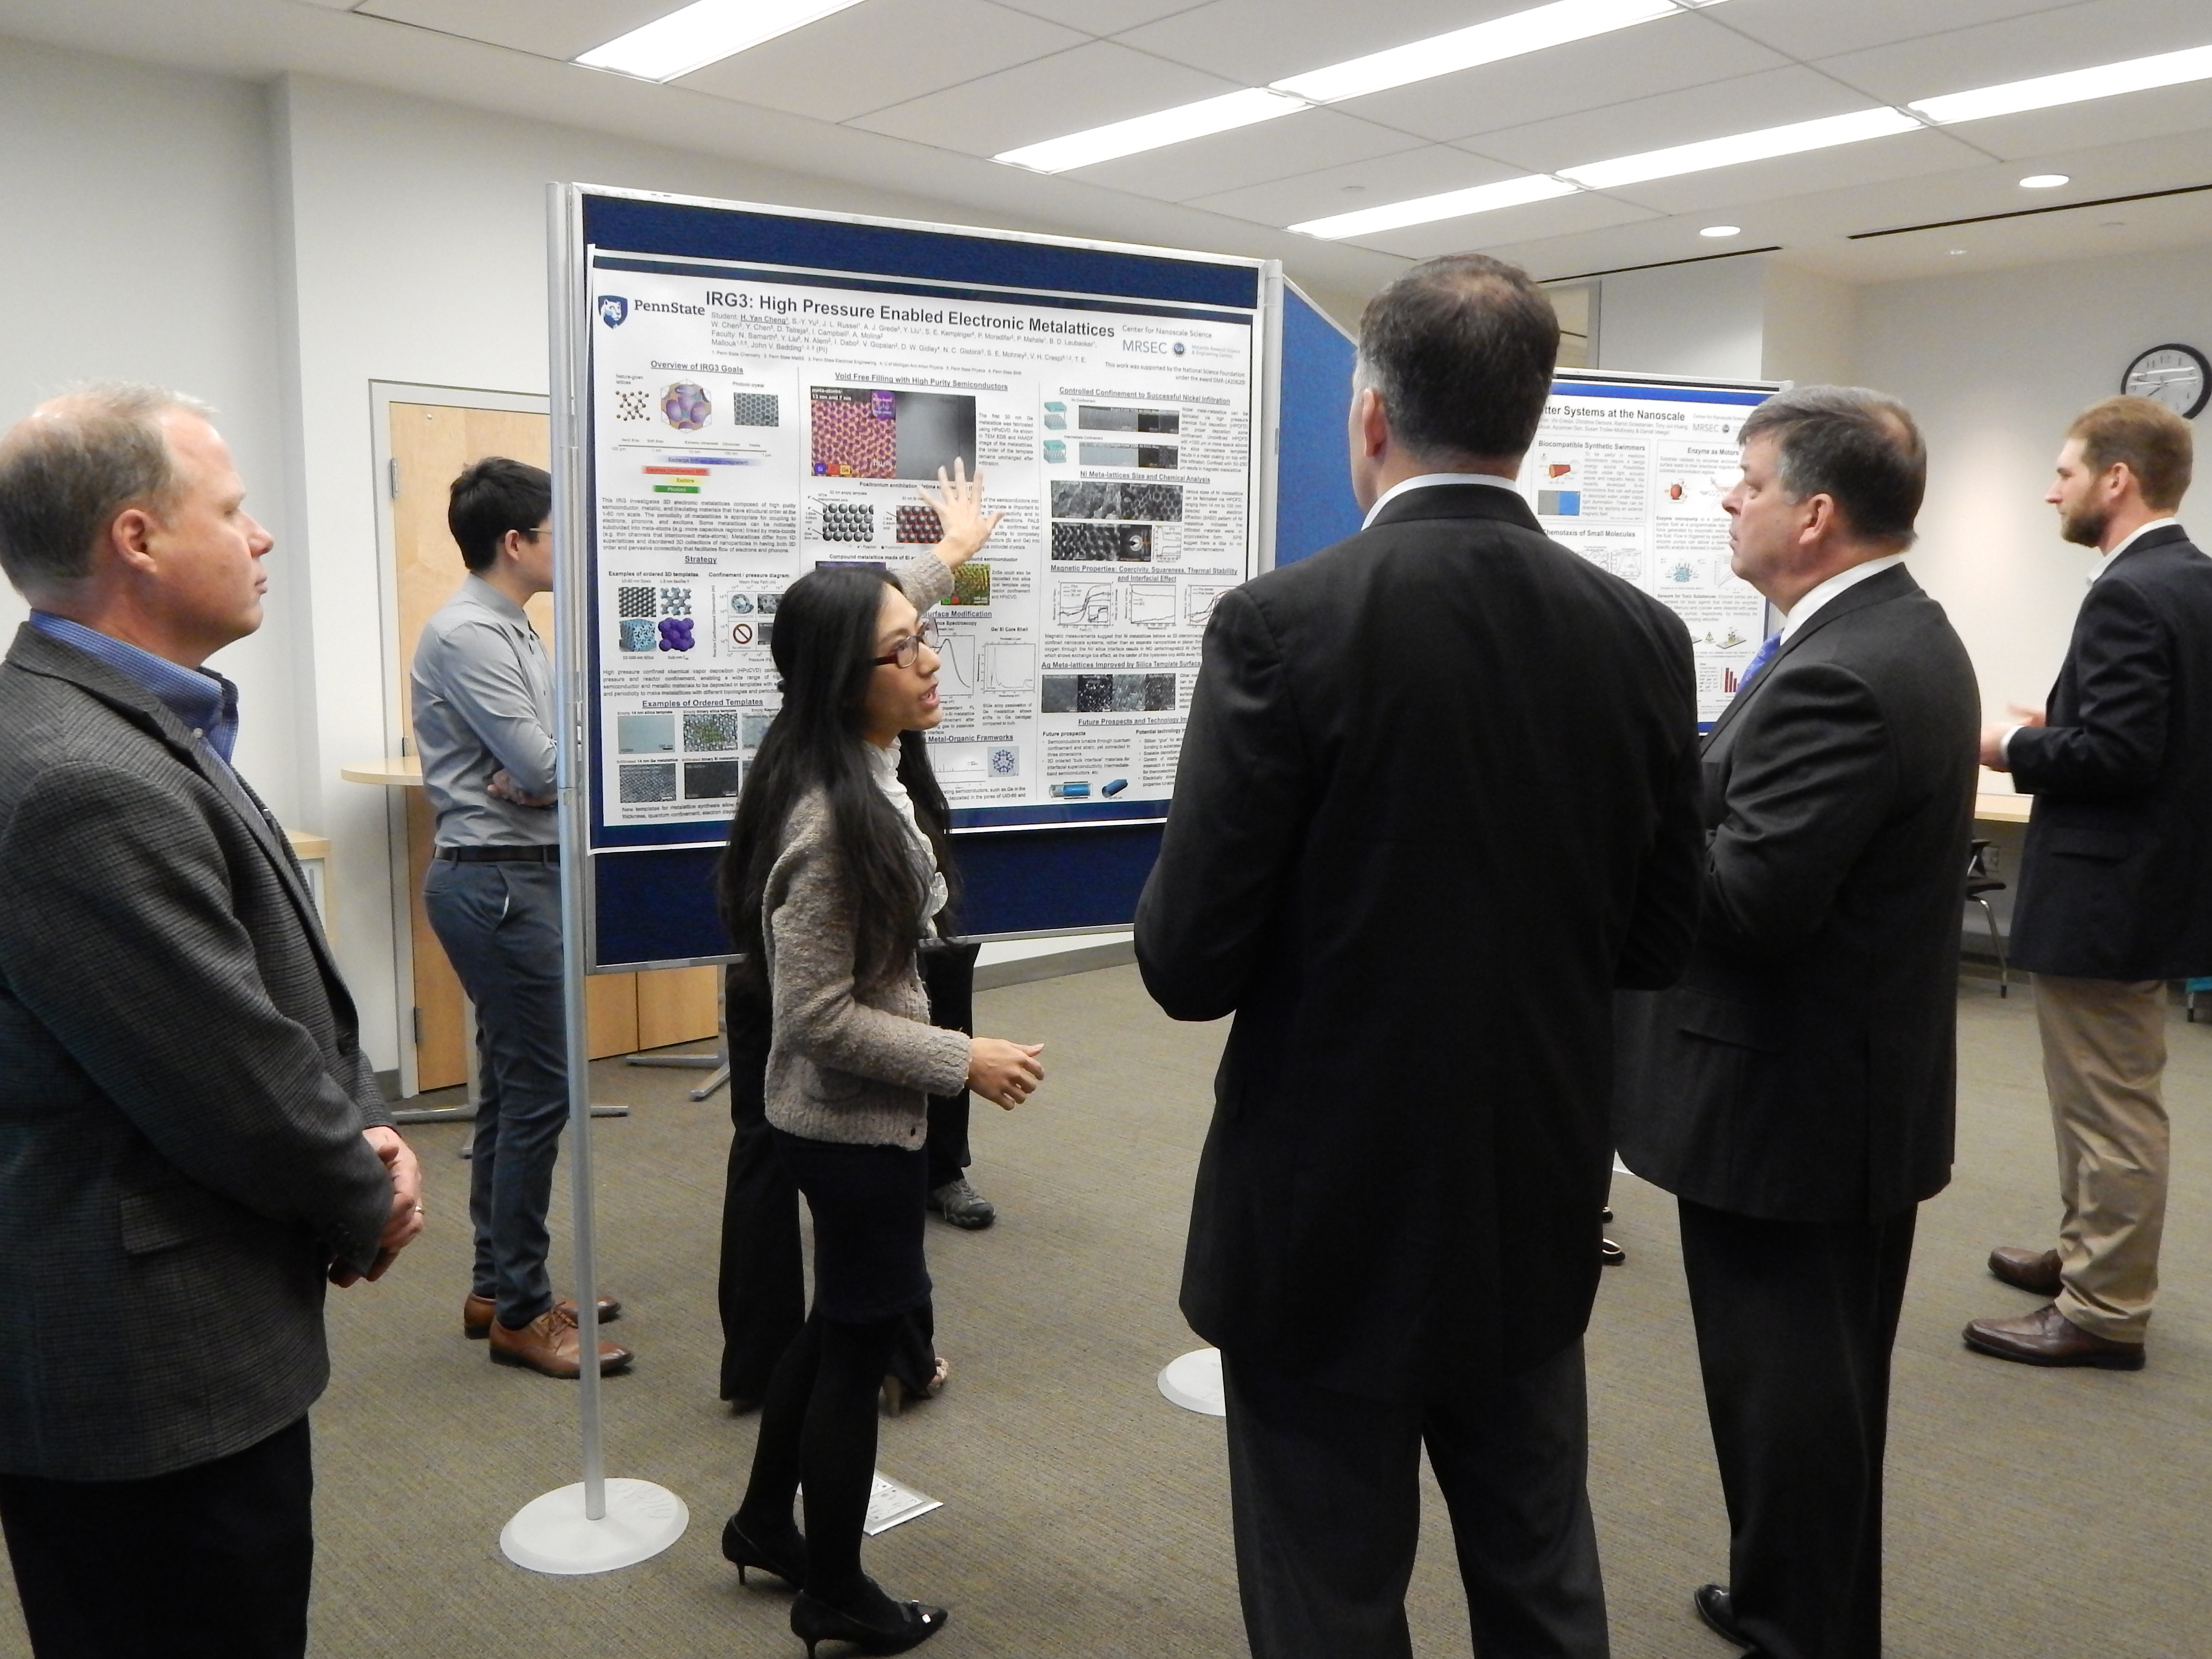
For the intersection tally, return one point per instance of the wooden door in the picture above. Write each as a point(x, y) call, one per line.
point(431, 444)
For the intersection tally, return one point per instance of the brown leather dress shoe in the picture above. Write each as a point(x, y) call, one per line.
point(476, 1311)
point(549, 1344)
point(2047, 1337)
point(2024, 1269)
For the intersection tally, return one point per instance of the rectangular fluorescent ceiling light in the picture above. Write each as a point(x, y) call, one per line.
point(1426, 209)
point(1505, 37)
point(1169, 126)
point(1500, 38)
point(1792, 140)
point(2170, 68)
point(705, 32)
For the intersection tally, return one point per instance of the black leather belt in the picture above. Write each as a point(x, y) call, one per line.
point(499, 855)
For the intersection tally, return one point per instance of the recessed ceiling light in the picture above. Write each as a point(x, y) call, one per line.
point(1721, 230)
point(1958, 252)
point(1168, 126)
point(704, 32)
point(1792, 140)
point(2046, 180)
point(1512, 36)
point(2074, 87)
point(1425, 209)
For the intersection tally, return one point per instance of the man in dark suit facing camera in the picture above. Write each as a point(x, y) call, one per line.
point(2115, 883)
point(1794, 1092)
point(1436, 800)
point(190, 1139)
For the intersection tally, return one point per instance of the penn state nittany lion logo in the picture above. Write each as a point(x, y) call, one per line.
point(613, 308)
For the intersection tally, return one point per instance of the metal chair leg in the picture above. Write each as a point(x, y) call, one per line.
point(1996, 940)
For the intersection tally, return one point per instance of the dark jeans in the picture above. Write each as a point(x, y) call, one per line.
point(1795, 1320)
point(212, 1562)
point(1325, 1498)
point(500, 926)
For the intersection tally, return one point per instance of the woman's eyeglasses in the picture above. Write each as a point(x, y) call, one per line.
point(904, 654)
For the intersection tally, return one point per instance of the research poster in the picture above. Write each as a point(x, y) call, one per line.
point(750, 427)
point(1631, 478)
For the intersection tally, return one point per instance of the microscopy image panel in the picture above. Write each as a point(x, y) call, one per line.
point(712, 780)
point(1159, 694)
point(1094, 694)
point(1085, 542)
point(1128, 694)
point(754, 409)
point(1058, 693)
point(1110, 417)
point(971, 584)
point(635, 602)
point(645, 734)
point(713, 729)
point(1133, 543)
point(856, 432)
point(935, 429)
point(756, 728)
point(1160, 502)
point(645, 783)
point(1086, 501)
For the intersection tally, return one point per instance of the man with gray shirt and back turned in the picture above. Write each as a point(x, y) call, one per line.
point(483, 726)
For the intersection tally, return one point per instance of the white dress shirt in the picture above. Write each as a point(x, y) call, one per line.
point(1432, 480)
point(1801, 612)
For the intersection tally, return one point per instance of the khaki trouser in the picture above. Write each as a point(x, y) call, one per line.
point(2104, 1053)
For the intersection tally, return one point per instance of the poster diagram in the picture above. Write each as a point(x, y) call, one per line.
point(1631, 477)
point(749, 427)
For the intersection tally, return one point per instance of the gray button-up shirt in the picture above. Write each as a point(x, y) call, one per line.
point(483, 703)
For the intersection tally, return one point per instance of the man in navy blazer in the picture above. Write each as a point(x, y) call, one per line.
point(191, 1142)
point(1436, 800)
point(1794, 1092)
point(2116, 882)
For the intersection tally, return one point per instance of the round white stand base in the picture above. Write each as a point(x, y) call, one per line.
point(550, 1534)
point(1194, 1382)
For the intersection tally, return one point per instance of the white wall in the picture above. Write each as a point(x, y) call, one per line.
point(1994, 366)
point(139, 214)
point(1702, 319)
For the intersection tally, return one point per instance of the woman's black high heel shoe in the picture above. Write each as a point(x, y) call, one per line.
point(814, 1620)
point(740, 1550)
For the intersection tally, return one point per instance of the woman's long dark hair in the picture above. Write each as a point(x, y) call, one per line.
point(825, 635)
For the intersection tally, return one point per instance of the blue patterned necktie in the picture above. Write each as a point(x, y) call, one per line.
point(1759, 658)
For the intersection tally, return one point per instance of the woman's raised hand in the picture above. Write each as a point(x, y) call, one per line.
point(1003, 1073)
point(957, 501)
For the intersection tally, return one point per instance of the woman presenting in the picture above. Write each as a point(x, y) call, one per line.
point(835, 871)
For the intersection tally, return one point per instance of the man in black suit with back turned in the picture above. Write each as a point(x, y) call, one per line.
point(1794, 1092)
point(1436, 800)
point(2116, 883)
point(191, 1138)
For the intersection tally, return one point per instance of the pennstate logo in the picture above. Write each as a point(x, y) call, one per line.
point(613, 309)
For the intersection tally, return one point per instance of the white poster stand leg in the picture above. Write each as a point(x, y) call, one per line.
point(596, 1524)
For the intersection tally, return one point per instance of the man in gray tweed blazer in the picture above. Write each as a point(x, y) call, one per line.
point(190, 1139)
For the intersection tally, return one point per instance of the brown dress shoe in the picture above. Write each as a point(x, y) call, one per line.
point(2047, 1337)
point(2026, 1270)
point(549, 1344)
point(476, 1311)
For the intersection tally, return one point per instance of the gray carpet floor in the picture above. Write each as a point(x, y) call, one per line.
point(2030, 1513)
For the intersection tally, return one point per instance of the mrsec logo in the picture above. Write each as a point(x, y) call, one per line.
point(1179, 348)
point(613, 309)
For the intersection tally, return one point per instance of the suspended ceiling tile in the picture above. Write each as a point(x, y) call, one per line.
point(1424, 171)
point(1746, 103)
point(2079, 37)
point(549, 28)
point(1539, 219)
point(1903, 156)
point(1256, 41)
point(1609, 248)
point(1821, 28)
point(1103, 17)
point(1250, 155)
point(2169, 111)
point(1068, 92)
point(1663, 57)
point(882, 52)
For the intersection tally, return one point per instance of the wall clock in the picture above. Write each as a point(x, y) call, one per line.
point(2176, 375)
